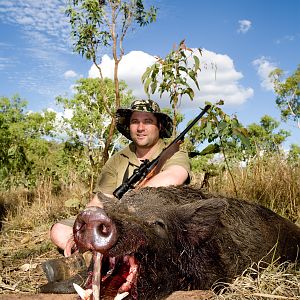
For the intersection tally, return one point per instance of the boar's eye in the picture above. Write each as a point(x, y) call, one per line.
point(160, 223)
point(160, 228)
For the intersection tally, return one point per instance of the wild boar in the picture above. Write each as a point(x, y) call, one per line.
point(156, 241)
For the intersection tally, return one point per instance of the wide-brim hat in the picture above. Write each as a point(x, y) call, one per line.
point(123, 117)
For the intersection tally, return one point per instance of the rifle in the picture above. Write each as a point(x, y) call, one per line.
point(148, 168)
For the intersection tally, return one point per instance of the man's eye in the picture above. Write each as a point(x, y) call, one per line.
point(133, 122)
point(148, 121)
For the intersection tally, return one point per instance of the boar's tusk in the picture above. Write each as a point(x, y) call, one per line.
point(97, 260)
point(121, 296)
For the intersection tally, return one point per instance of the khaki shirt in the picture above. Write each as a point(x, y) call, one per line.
point(126, 161)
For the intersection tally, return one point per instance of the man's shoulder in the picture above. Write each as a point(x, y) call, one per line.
point(126, 152)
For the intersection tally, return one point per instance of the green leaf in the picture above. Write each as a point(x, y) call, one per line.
point(221, 126)
point(242, 134)
point(153, 87)
point(210, 149)
point(146, 74)
point(155, 71)
point(208, 129)
point(197, 63)
point(192, 75)
point(183, 69)
point(220, 102)
point(146, 85)
point(12, 151)
point(190, 92)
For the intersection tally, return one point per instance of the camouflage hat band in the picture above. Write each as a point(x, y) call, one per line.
point(123, 117)
point(145, 105)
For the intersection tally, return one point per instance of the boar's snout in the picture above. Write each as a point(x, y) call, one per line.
point(94, 230)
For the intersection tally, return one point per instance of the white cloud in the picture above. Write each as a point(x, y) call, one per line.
point(70, 74)
point(59, 123)
point(60, 115)
point(286, 38)
point(131, 69)
point(72, 88)
point(218, 78)
point(244, 26)
point(264, 67)
point(41, 21)
point(37, 60)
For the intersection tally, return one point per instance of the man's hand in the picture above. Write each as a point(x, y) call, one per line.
point(70, 247)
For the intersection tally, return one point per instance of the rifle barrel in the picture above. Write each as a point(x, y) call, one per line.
point(183, 133)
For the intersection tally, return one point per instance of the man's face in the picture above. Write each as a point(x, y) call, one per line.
point(144, 129)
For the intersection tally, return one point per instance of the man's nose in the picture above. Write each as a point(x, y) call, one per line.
point(141, 126)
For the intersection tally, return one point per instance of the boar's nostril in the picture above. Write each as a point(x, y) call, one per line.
point(103, 230)
point(104, 235)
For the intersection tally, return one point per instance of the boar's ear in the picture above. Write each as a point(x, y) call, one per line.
point(203, 218)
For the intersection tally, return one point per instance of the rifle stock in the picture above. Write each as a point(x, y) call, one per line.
point(148, 169)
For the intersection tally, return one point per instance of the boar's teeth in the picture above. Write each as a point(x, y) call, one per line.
point(83, 294)
point(121, 296)
point(131, 279)
point(112, 265)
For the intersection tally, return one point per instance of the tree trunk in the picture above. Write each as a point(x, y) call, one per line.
point(105, 154)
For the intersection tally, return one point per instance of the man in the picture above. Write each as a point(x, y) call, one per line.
point(146, 126)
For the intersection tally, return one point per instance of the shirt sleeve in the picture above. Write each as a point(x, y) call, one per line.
point(107, 180)
point(180, 158)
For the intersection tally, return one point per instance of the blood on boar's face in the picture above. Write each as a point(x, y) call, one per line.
point(159, 240)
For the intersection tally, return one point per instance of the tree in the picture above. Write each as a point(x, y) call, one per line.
point(172, 74)
point(102, 23)
point(21, 137)
point(176, 75)
point(88, 125)
point(220, 130)
point(294, 155)
point(266, 137)
point(225, 135)
point(288, 94)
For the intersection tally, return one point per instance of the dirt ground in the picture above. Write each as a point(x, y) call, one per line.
point(180, 295)
point(38, 297)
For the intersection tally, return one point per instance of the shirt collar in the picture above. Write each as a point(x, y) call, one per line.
point(129, 152)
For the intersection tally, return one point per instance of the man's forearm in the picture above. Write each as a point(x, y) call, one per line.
point(174, 175)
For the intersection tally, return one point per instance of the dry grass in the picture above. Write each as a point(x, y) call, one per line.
point(22, 253)
point(270, 182)
point(273, 282)
point(24, 239)
point(27, 216)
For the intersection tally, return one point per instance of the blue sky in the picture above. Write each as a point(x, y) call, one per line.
point(245, 39)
